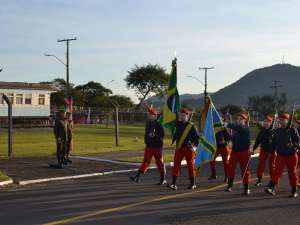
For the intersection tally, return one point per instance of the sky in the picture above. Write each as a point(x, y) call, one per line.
point(234, 37)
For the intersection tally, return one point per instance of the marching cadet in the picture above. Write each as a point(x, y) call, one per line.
point(70, 135)
point(286, 155)
point(187, 135)
point(154, 134)
point(222, 148)
point(240, 152)
point(296, 125)
point(263, 139)
point(61, 136)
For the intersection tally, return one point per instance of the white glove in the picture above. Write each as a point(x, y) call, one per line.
point(225, 124)
point(194, 149)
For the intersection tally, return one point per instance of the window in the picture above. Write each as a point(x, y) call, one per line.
point(41, 99)
point(10, 96)
point(19, 99)
point(27, 99)
point(1, 98)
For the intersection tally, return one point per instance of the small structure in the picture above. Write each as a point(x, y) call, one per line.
point(28, 99)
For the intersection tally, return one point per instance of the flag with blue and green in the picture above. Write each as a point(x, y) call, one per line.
point(213, 124)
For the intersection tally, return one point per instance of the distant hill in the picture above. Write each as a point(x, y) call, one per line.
point(183, 98)
point(258, 82)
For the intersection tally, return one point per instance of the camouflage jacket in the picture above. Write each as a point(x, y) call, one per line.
point(70, 129)
point(61, 129)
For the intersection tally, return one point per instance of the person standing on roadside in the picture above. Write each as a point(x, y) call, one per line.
point(154, 135)
point(297, 126)
point(263, 139)
point(70, 135)
point(61, 136)
point(240, 152)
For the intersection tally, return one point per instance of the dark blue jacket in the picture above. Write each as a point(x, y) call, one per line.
point(157, 140)
point(279, 142)
point(192, 136)
point(226, 138)
point(240, 137)
point(263, 140)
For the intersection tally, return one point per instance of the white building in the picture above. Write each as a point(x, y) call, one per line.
point(28, 99)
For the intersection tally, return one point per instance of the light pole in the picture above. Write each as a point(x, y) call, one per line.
point(205, 68)
point(196, 79)
point(109, 83)
point(67, 88)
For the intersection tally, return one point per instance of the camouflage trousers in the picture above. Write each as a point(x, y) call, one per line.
point(61, 148)
point(68, 149)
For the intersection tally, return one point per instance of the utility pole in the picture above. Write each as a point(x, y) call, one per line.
point(205, 68)
point(67, 42)
point(276, 101)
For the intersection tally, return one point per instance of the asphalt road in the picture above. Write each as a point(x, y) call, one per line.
point(115, 199)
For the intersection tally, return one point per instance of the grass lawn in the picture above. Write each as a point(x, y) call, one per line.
point(88, 139)
point(3, 177)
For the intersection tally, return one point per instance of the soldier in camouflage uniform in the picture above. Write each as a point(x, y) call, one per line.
point(70, 134)
point(61, 136)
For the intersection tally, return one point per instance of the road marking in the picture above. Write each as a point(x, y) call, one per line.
point(142, 203)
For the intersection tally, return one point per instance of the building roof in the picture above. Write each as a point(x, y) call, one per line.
point(27, 86)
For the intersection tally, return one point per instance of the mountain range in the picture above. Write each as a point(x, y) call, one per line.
point(256, 82)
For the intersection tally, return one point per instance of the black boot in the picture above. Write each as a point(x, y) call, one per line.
point(230, 184)
point(271, 189)
point(213, 174)
point(294, 192)
point(59, 160)
point(162, 180)
point(246, 189)
point(137, 178)
point(68, 160)
point(258, 183)
point(174, 184)
point(225, 180)
point(192, 184)
point(64, 160)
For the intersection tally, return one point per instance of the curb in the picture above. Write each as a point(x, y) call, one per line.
point(151, 166)
point(10, 181)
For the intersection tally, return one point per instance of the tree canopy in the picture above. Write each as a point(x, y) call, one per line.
point(146, 80)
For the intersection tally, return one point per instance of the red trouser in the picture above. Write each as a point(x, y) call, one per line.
point(263, 156)
point(243, 158)
point(158, 155)
point(291, 164)
point(298, 152)
point(189, 156)
point(224, 153)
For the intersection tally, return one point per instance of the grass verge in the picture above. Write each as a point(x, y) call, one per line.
point(3, 177)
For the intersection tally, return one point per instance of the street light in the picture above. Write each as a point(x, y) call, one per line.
point(196, 79)
point(67, 89)
point(109, 83)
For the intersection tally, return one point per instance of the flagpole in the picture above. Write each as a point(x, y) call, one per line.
point(176, 123)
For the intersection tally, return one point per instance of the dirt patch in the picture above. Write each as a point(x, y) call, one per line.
point(38, 167)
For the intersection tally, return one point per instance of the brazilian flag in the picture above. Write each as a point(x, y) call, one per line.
point(168, 117)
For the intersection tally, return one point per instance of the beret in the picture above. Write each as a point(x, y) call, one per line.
point(153, 111)
point(286, 116)
point(268, 118)
point(185, 111)
point(243, 115)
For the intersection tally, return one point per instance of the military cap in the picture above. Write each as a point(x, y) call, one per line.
point(243, 115)
point(185, 111)
point(268, 118)
point(297, 121)
point(62, 111)
point(285, 116)
point(221, 118)
point(153, 111)
point(69, 113)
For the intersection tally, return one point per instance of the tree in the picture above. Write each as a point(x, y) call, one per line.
point(96, 94)
point(184, 105)
point(233, 109)
point(122, 101)
point(266, 104)
point(146, 80)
